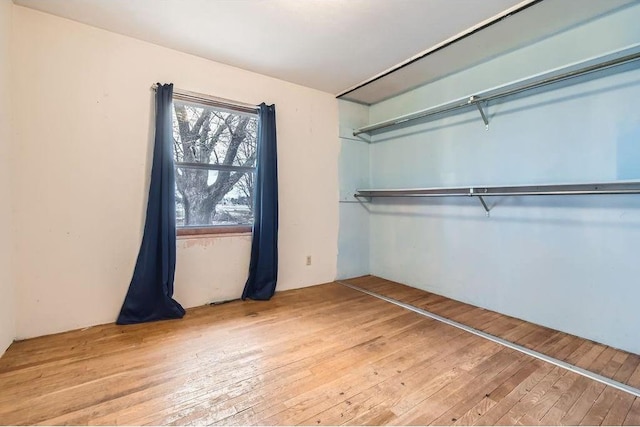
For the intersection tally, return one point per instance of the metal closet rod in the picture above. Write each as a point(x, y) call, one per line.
point(623, 187)
point(626, 187)
point(492, 94)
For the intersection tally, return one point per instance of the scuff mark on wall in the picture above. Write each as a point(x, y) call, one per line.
point(206, 241)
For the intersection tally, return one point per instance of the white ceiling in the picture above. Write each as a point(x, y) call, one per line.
point(330, 45)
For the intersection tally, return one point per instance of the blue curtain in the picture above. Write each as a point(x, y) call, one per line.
point(150, 293)
point(263, 267)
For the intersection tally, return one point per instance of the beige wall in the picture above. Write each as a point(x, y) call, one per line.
point(83, 120)
point(7, 278)
point(7, 282)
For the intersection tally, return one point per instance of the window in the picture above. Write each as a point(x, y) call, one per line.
point(215, 157)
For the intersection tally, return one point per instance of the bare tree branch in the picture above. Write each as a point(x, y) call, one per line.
point(205, 135)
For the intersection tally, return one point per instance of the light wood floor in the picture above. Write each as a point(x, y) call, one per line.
point(569, 348)
point(321, 355)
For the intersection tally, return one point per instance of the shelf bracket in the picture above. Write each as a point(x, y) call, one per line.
point(473, 100)
point(359, 198)
point(484, 205)
point(473, 193)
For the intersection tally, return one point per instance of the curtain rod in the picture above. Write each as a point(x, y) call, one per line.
point(185, 95)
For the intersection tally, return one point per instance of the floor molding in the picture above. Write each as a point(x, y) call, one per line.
point(576, 369)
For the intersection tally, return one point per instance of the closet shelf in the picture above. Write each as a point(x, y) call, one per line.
point(613, 59)
point(620, 187)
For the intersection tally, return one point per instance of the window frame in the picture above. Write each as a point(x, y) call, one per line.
point(219, 104)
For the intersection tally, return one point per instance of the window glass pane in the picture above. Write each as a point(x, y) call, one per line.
point(213, 198)
point(205, 134)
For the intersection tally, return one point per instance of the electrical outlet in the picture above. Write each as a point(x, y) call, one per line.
point(308, 259)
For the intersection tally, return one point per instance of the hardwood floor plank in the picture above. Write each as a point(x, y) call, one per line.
point(391, 390)
point(583, 404)
point(330, 397)
point(325, 355)
point(414, 386)
point(575, 350)
point(479, 399)
point(573, 344)
point(504, 405)
point(536, 412)
point(598, 412)
point(627, 369)
point(619, 409)
point(531, 398)
point(494, 369)
point(611, 399)
point(633, 417)
point(634, 379)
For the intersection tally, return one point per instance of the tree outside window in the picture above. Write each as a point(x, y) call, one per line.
point(215, 156)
